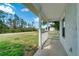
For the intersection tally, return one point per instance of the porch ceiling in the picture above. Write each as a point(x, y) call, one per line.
point(52, 11)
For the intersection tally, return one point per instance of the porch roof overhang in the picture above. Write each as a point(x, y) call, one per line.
point(50, 11)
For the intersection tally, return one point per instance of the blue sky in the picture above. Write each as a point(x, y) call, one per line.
point(20, 10)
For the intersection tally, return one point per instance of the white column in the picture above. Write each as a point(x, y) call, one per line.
point(40, 33)
point(47, 25)
point(60, 30)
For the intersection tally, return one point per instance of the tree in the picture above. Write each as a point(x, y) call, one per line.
point(9, 22)
point(2, 22)
point(32, 24)
point(13, 22)
point(56, 25)
point(23, 23)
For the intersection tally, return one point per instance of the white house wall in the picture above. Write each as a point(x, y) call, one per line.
point(70, 40)
point(78, 27)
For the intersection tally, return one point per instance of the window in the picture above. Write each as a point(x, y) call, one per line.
point(63, 27)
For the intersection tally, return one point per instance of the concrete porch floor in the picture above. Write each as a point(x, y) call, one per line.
point(52, 47)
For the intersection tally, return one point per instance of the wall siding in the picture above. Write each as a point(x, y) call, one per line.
point(78, 27)
point(70, 40)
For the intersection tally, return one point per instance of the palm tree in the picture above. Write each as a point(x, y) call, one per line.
point(32, 23)
point(13, 23)
point(23, 23)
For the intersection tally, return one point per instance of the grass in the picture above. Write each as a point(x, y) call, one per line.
point(54, 34)
point(18, 44)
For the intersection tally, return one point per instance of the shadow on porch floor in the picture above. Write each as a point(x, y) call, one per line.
point(52, 47)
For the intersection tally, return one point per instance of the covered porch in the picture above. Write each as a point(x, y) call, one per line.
point(66, 15)
point(52, 46)
point(48, 44)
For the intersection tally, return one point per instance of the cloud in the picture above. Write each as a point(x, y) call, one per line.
point(25, 9)
point(7, 9)
point(36, 19)
point(9, 5)
point(36, 22)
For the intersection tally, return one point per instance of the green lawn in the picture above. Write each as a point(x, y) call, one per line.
point(18, 44)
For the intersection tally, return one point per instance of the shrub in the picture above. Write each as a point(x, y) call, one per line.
point(11, 30)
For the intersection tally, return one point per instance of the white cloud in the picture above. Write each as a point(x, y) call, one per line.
point(9, 5)
point(36, 22)
point(36, 19)
point(25, 9)
point(7, 9)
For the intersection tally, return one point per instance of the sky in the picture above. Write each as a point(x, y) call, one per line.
point(21, 11)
